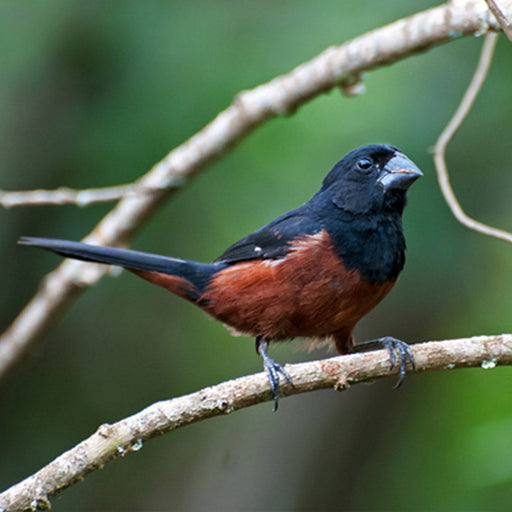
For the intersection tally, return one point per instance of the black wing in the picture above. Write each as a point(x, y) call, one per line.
point(272, 241)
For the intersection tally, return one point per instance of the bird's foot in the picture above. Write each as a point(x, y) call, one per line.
point(393, 346)
point(272, 369)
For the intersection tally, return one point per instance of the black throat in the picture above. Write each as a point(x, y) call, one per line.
point(371, 243)
point(374, 246)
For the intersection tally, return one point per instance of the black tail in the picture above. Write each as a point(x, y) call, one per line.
point(197, 274)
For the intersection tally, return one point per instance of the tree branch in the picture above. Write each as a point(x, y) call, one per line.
point(500, 14)
point(64, 195)
point(349, 81)
point(110, 442)
point(336, 66)
point(449, 131)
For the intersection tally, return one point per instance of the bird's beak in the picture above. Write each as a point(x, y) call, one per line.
point(399, 173)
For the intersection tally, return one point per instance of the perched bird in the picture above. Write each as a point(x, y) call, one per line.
point(312, 272)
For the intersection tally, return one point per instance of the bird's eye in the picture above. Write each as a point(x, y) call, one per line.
point(365, 164)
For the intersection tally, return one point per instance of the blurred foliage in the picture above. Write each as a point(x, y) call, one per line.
point(94, 93)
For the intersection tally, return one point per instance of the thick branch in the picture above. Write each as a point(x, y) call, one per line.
point(113, 441)
point(337, 65)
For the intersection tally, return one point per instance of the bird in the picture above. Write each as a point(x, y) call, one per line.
point(312, 272)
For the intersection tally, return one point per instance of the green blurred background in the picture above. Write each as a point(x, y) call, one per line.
point(92, 94)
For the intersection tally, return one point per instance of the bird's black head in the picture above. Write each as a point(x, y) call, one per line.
point(371, 179)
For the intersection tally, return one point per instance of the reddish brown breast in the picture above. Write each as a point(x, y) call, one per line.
point(307, 293)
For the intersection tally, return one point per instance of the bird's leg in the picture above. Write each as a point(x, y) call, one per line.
point(272, 369)
point(391, 345)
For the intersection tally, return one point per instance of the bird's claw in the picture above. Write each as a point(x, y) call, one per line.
point(393, 346)
point(404, 355)
point(272, 369)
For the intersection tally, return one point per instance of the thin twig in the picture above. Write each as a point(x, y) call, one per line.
point(64, 195)
point(116, 440)
point(250, 109)
point(504, 20)
point(449, 131)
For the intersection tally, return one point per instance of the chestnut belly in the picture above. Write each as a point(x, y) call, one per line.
point(307, 293)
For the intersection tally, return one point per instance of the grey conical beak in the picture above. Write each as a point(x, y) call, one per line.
point(399, 173)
